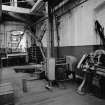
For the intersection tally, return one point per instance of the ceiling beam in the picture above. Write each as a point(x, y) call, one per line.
point(36, 8)
point(15, 9)
point(16, 16)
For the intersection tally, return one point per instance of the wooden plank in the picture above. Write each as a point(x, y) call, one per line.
point(6, 94)
point(17, 54)
point(5, 87)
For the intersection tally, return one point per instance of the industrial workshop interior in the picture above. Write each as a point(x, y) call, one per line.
point(52, 52)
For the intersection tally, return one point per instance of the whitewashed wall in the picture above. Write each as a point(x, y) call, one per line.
point(66, 29)
point(77, 26)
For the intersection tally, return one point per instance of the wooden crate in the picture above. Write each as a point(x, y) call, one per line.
point(6, 94)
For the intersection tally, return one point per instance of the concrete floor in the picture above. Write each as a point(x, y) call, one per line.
point(37, 94)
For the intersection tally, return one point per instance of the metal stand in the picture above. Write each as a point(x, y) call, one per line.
point(86, 84)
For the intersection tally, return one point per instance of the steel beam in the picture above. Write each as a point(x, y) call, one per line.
point(15, 9)
point(37, 6)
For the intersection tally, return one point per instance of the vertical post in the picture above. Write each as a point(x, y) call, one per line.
point(0, 9)
point(15, 3)
point(11, 2)
point(50, 15)
point(0, 63)
point(6, 48)
point(1, 41)
point(48, 43)
point(24, 83)
point(49, 33)
point(57, 34)
point(50, 28)
point(27, 57)
point(49, 36)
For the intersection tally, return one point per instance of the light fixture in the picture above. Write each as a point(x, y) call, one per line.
point(16, 32)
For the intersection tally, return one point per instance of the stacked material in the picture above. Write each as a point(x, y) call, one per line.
point(6, 94)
